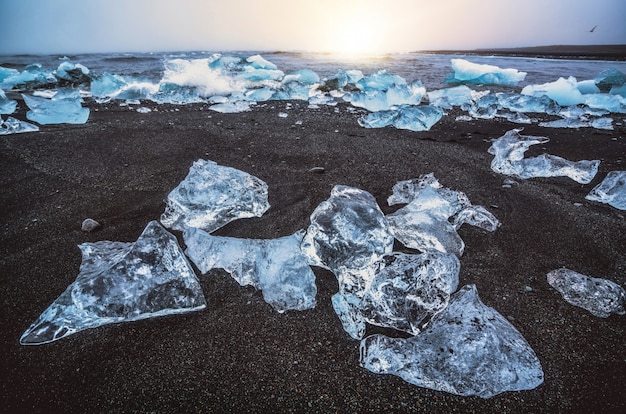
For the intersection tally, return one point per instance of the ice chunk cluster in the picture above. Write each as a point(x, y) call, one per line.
point(601, 297)
point(65, 107)
point(424, 223)
point(612, 190)
point(121, 282)
point(276, 267)
point(212, 196)
point(382, 91)
point(477, 74)
point(509, 149)
point(466, 349)
point(15, 126)
point(411, 117)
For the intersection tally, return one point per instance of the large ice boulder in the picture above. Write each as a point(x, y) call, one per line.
point(564, 91)
point(65, 107)
point(480, 74)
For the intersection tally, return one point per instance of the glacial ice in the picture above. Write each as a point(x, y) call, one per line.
point(120, 282)
point(63, 108)
point(33, 75)
point(72, 73)
point(611, 191)
point(231, 107)
point(212, 196)
point(477, 74)
point(347, 231)
point(606, 102)
point(516, 102)
point(509, 149)
point(601, 297)
point(449, 97)
point(467, 349)
point(424, 224)
point(383, 91)
point(609, 78)
point(15, 126)
point(564, 91)
point(277, 267)
point(7, 106)
point(413, 118)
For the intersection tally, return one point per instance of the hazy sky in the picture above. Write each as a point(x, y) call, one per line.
point(75, 26)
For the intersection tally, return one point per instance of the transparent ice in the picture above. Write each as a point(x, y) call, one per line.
point(7, 106)
point(563, 91)
point(212, 196)
point(120, 282)
point(609, 78)
point(414, 118)
point(15, 126)
point(33, 75)
point(612, 190)
point(231, 107)
point(449, 97)
point(516, 102)
point(277, 267)
point(467, 349)
point(601, 297)
point(65, 107)
point(509, 149)
point(383, 91)
point(479, 74)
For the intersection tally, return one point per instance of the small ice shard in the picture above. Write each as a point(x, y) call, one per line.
point(403, 192)
point(477, 74)
point(599, 296)
point(606, 102)
point(15, 126)
point(608, 79)
point(449, 97)
point(563, 91)
point(509, 149)
point(231, 107)
point(413, 118)
point(408, 289)
point(89, 225)
point(467, 349)
point(7, 106)
point(347, 231)
point(477, 216)
point(120, 282)
point(277, 267)
point(143, 110)
point(63, 108)
point(612, 190)
point(212, 196)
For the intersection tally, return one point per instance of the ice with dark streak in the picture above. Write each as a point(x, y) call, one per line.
point(121, 282)
point(611, 191)
point(509, 149)
point(15, 126)
point(277, 266)
point(601, 297)
point(467, 349)
point(212, 196)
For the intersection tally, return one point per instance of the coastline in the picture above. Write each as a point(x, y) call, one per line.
point(577, 52)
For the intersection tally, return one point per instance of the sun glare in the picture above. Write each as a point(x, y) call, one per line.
point(358, 34)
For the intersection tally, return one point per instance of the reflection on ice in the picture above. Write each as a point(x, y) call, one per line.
point(612, 190)
point(121, 282)
point(601, 297)
point(276, 267)
point(466, 349)
point(212, 196)
point(509, 149)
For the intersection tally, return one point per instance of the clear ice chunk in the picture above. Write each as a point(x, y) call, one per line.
point(63, 108)
point(7, 106)
point(277, 267)
point(449, 97)
point(611, 191)
point(231, 107)
point(347, 231)
point(509, 149)
point(467, 349)
point(413, 118)
point(606, 102)
point(608, 79)
point(212, 196)
point(383, 91)
point(120, 282)
point(564, 91)
point(15, 126)
point(480, 74)
point(408, 289)
point(516, 102)
point(601, 297)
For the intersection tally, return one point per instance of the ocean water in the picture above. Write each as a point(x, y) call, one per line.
point(430, 68)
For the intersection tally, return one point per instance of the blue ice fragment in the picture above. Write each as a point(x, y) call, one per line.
point(619, 90)
point(611, 191)
point(467, 349)
point(259, 62)
point(305, 76)
point(516, 102)
point(231, 107)
point(277, 267)
point(473, 73)
point(509, 149)
point(33, 75)
point(213, 195)
point(382, 91)
point(120, 282)
point(7, 106)
point(564, 91)
point(63, 108)
point(609, 78)
point(74, 73)
point(607, 102)
point(449, 97)
point(414, 118)
point(15, 126)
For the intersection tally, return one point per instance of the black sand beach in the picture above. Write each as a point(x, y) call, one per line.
point(239, 355)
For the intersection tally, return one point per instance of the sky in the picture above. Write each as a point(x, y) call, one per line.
point(343, 26)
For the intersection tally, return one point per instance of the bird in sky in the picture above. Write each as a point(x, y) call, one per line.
point(593, 28)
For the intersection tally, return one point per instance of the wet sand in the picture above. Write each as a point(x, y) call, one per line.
point(238, 355)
